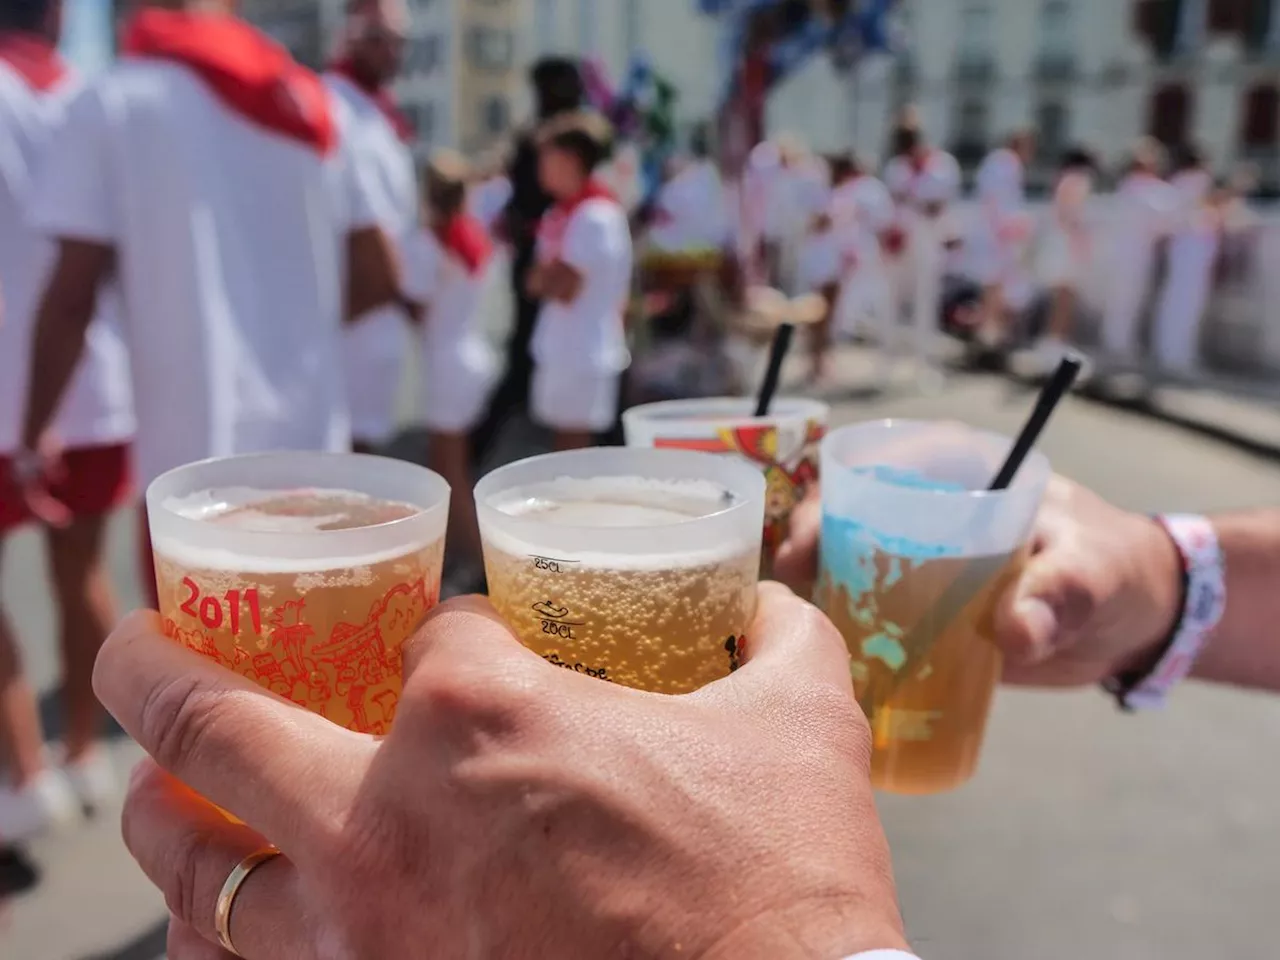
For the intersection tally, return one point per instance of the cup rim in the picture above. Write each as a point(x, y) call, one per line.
point(796, 409)
point(1036, 465)
point(182, 527)
point(745, 482)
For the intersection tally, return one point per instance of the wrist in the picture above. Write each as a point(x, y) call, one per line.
point(26, 466)
point(1160, 583)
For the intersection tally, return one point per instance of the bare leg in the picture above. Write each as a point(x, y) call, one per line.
point(820, 342)
point(451, 458)
point(21, 740)
point(88, 609)
point(573, 439)
point(993, 321)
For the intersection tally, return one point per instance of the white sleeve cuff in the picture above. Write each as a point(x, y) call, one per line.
point(884, 955)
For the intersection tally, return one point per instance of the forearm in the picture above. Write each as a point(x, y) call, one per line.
point(1245, 649)
point(63, 319)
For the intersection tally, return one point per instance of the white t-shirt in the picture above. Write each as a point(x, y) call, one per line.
point(97, 409)
point(588, 334)
point(937, 181)
point(999, 183)
point(231, 249)
point(488, 200)
point(691, 213)
point(452, 293)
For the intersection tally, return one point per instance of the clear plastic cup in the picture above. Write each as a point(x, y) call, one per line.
point(305, 572)
point(634, 566)
point(783, 445)
point(915, 556)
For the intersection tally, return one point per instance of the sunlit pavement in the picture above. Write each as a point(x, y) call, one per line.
point(1086, 833)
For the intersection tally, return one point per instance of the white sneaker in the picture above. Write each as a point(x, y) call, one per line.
point(94, 781)
point(46, 803)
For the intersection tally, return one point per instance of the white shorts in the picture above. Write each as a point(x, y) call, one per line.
point(456, 385)
point(575, 400)
point(373, 353)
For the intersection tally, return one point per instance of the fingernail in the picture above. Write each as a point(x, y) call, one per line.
point(1039, 621)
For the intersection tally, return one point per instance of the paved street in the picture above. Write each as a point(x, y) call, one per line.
point(1086, 834)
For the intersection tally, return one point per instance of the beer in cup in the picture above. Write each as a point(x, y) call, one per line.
point(634, 566)
point(305, 572)
point(782, 445)
point(915, 556)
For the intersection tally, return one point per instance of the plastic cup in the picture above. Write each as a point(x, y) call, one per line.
point(915, 556)
point(634, 566)
point(247, 576)
point(783, 445)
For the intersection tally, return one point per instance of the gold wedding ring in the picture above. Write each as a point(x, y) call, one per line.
point(227, 898)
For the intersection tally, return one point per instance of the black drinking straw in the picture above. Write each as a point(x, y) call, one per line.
point(781, 344)
point(1062, 380)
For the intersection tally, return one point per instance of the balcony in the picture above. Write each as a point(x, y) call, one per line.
point(1056, 66)
point(975, 69)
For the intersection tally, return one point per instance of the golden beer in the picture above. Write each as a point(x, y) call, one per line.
point(326, 632)
point(924, 662)
point(665, 621)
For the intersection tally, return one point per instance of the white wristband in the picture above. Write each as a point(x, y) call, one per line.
point(884, 955)
point(1205, 574)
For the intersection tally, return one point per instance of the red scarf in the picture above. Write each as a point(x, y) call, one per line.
point(380, 96)
point(464, 238)
point(554, 223)
point(33, 58)
point(249, 72)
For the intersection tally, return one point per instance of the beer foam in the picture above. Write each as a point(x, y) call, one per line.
point(355, 516)
point(619, 503)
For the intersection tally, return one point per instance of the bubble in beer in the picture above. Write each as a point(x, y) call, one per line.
point(664, 623)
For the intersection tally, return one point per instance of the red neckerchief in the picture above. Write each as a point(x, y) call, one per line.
point(249, 72)
point(554, 223)
point(33, 58)
point(920, 163)
point(464, 237)
point(381, 96)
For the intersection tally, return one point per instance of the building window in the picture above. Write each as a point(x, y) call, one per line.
point(1170, 115)
point(424, 54)
point(492, 49)
point(1227, 16)
point(1057, 29)
point(497, 115)
point(975, 30)
point(1053, 125)
point(1260, 122)
point(971, 134)
point(422, 117)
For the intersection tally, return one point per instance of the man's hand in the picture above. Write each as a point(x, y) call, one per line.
point(33, 474)
point(1099, 595)
point(516, 810)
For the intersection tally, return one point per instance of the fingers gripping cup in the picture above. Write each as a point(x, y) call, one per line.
point(915, 555)
point(782, 445)
point(305, 572)
point(635, 566)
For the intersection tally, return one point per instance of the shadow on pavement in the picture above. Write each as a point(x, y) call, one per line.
point(149, 946)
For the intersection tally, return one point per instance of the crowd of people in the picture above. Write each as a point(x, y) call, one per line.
point(210, 250)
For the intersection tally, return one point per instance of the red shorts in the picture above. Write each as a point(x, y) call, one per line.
point(95, 480)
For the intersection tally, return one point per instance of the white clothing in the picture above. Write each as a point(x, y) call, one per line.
point(924, 194)
point(488, 200)
point(588, 335)
point(1064, 252)
point(1143, 209)
point(97, 409)
point(376, 345)
point(690, 213)
point(861, 210)
point(564, 400)
point(998, 243)
point(459, 367)
point(231, 252)
point(1188, 286)
point(818, 260)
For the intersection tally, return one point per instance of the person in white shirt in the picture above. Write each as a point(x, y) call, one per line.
point(446, 264)
point(819, 254)
point(583, 276)
point(375, 348)
point(209, 174)
point(690, 214)
point(1142, 212)
point(863, 211)
point(1063, 260)
point(1002, 234)
point(925, 183)
point(1193, 253)
point(91, 434)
